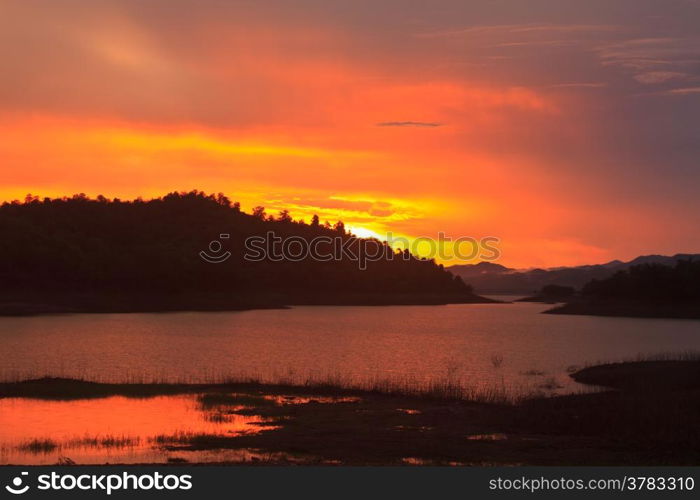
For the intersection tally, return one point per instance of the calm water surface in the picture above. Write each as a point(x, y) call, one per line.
point(355, 343)
point(504, 345)
point(115, 430)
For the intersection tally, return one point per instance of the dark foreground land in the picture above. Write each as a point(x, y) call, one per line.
point(647, 414)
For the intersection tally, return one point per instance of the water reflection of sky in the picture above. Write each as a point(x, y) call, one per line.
point(347, 343)
point(114, 429)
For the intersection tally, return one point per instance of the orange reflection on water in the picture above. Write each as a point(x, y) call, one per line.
point(114, 429)
point(285, 399)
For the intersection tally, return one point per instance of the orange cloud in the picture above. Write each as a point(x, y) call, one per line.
point(538, 140)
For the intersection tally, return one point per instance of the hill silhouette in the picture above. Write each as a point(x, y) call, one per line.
point(643, 290)
point(83, 254)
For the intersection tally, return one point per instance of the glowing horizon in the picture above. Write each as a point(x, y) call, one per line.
point(571, 135)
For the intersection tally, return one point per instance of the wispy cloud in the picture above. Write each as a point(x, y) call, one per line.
point(510, 29)
point(579, 85)
point(647, 54)
point(409, 124)
point(684, 91)
point(654, 77)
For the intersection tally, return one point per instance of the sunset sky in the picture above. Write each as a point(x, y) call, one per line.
point(568, 129)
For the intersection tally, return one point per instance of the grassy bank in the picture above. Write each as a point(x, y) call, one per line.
point(647, 415)
point(441, 389)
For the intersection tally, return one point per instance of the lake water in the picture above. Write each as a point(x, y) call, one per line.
point(479, 344)
point(114, 430)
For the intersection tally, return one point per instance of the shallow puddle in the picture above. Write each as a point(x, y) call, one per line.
point(286, 399)
point(119, 430)
point(409, 411)
point(496, 436)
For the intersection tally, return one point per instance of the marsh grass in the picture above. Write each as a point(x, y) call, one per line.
point(218, 417)
point(108, 441)
point(39, 446)
point(648, 417)
point(550, 384)
point(687, 355)
point(223, 391)
point(202, 440)
point(216, 399)
point(46, 445)
point(181, 437)
point(250, 389)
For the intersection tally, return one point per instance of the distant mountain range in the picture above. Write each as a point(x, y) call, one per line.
point(487, 277)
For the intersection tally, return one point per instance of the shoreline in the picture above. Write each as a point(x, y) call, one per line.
point(629, 310)
point(147, 303)
point(331, 424)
